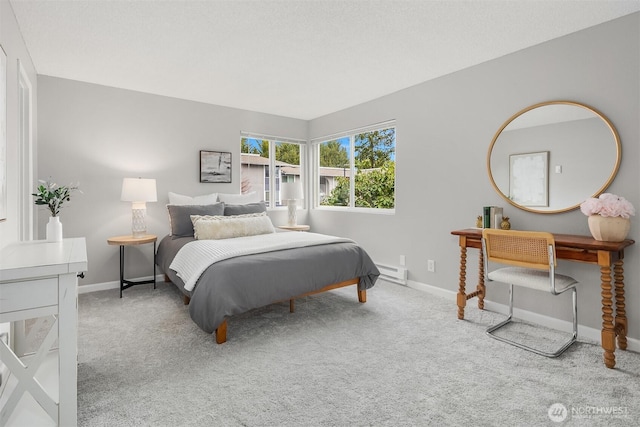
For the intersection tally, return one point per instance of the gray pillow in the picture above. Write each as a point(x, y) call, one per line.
point(249, 208)
point(180, 217)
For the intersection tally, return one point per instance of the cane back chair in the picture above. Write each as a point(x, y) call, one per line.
point(531, 260)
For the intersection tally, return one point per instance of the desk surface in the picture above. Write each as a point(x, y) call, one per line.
point(37, 258)
point(564, 240)
point(570, 247)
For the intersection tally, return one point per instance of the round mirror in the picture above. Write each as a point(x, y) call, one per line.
point(550, 157)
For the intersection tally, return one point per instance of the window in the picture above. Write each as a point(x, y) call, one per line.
point(357, 170)
point(266, 162)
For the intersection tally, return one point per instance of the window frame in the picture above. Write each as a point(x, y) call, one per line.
point(272, 171)
point(315, 169)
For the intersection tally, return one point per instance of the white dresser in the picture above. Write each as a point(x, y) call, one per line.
point(39, 279)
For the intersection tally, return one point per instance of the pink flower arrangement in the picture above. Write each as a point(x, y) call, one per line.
point(608, 205)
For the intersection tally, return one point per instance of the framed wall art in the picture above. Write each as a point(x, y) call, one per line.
point(215, 166)
point(529, 178)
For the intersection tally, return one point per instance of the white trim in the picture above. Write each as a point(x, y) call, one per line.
point(273, 176)
point(584, 332)
point(349, 132)
point(274, 138)
point(25, 153)
point(353, 170)
point(378, 211)
point(444, 293)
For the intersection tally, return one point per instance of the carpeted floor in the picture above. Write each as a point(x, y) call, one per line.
point(401, 359)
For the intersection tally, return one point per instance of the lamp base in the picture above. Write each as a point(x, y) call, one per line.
point(292, 210)
point(139, 222)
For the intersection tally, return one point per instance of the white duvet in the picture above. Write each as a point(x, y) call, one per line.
point(195, 257)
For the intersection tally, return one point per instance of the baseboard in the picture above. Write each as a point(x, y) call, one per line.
point(445, 293)
point(584, 332)
point(95, 287)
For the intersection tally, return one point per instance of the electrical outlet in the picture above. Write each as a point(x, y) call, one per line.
point(403, 260)
point(431, 265)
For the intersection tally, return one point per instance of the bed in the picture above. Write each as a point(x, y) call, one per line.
point(268, 268)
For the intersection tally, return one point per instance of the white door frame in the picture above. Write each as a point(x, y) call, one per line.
point(25, 148)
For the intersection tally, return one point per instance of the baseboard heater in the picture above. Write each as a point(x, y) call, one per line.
point(393, 274)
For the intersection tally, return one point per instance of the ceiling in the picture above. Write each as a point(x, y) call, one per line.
point(300, 59)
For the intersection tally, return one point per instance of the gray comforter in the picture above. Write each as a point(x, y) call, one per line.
point(237, 285)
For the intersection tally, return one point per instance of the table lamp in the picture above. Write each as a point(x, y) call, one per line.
point(291, 192)
point(139, 191)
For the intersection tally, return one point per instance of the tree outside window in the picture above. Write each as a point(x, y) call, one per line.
point(373, 166)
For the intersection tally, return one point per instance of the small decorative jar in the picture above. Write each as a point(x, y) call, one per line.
point(505, 224)
point(479, 221)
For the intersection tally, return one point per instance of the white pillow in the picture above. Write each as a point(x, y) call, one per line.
point(180, 199)
point(226, 227)
point(240, 199)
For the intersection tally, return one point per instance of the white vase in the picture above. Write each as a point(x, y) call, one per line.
point(54, 229)
point(609, 229)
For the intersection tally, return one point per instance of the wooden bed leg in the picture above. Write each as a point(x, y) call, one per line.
point(292, 306)
point(362, 295)
point(186, 299)
point(166, 278)
point(221, 333)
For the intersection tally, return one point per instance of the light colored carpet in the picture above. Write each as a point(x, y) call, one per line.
point(401, 359)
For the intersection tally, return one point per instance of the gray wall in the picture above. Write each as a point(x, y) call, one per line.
point(99, 135)
point(444, 128)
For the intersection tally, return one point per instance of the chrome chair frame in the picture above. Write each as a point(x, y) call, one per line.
point(552, 289)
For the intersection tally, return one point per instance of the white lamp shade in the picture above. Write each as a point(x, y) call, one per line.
point(139, 190)
point(291, 191)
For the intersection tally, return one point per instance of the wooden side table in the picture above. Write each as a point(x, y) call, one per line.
point(298, 227)
point(123, 241)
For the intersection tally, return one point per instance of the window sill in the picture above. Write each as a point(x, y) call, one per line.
point(375, 211)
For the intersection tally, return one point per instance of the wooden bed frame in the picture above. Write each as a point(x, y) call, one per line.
point(221, 332)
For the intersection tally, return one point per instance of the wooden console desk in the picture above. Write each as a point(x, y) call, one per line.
point(572, 248)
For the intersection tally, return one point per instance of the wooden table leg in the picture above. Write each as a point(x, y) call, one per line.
point(481, 288)
point(608, 331)
point(462, 296)
point(621, 314)
point(221, 333)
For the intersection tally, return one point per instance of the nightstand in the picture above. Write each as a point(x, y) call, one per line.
point(123, 241)
point(298, 227)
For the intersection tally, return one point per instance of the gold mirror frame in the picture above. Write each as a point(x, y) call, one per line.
point(542, 104)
